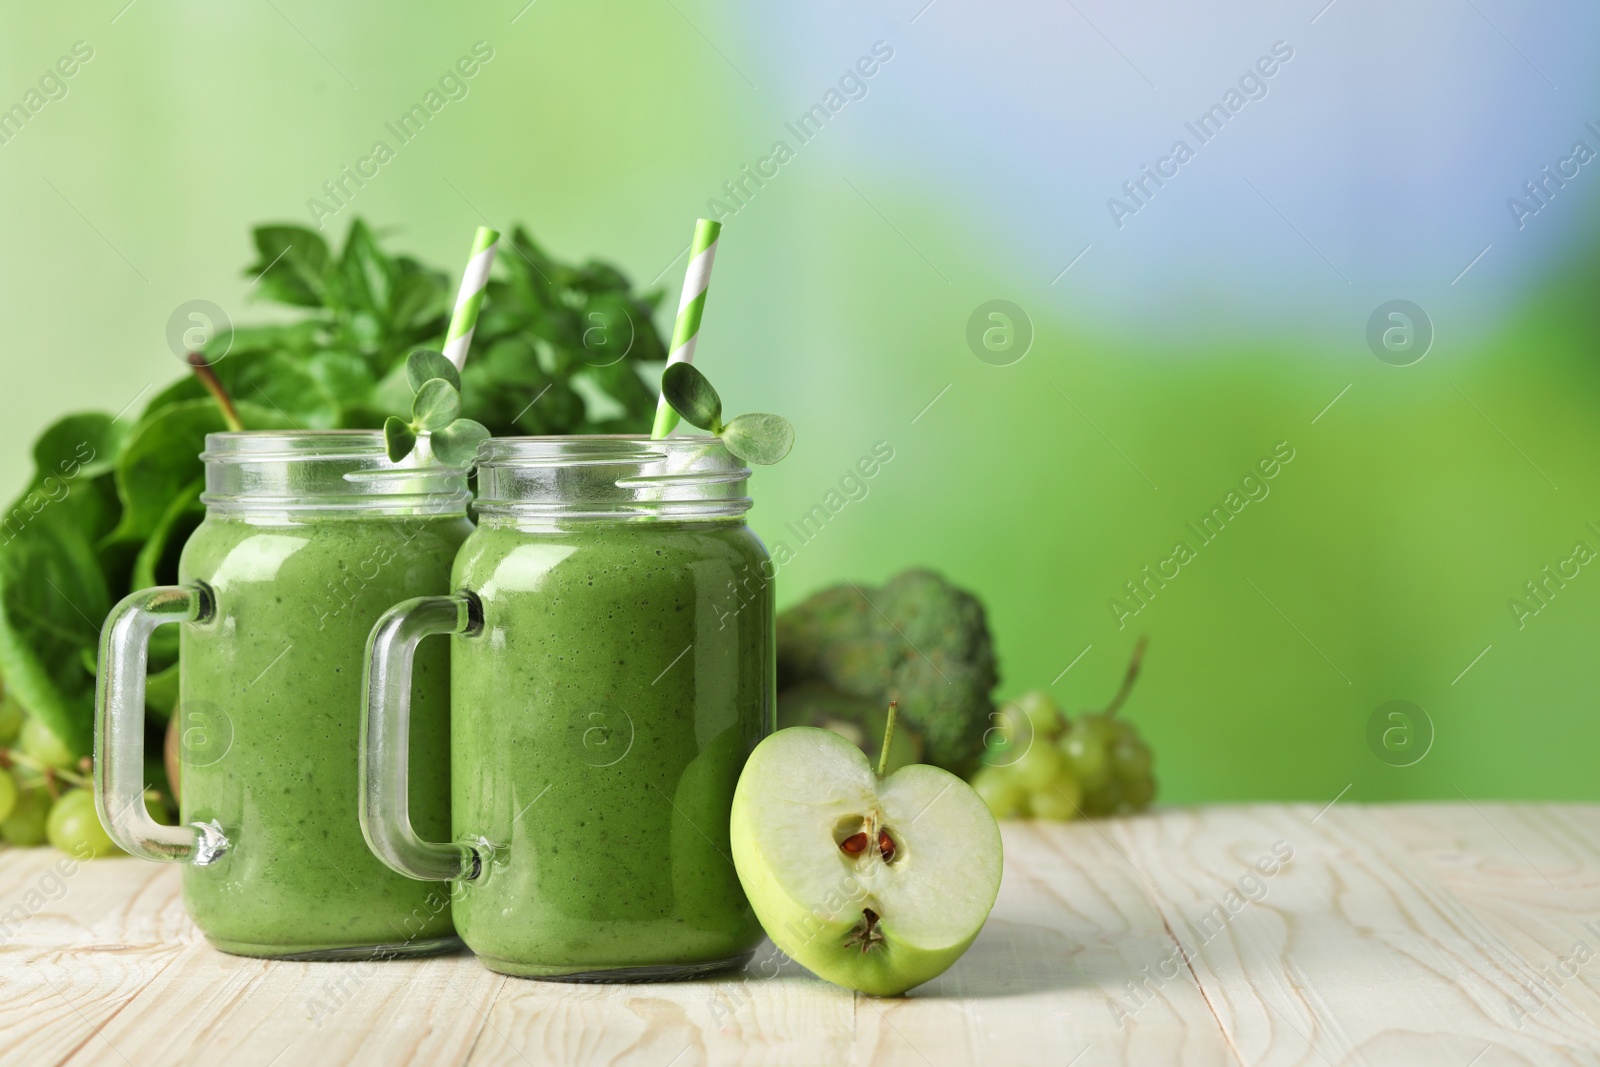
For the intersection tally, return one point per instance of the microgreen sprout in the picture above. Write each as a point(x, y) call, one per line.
point(435, 411)
point(756, 438)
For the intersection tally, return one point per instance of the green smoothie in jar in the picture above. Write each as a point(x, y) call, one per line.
point(309, 537)
point(613, 670)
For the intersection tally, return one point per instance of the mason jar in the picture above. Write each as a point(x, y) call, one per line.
point(612, 668)
point(308, 537)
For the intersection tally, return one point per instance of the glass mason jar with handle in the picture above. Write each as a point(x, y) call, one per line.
point(612, 668)
point(308, 538)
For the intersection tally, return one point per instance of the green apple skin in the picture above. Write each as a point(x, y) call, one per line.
point(815, 934)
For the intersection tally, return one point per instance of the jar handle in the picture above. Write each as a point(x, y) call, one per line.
point(119, 727)
point(386, 738)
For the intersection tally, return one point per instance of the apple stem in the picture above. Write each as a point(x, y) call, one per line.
point(888, 735)
point(1129, 678)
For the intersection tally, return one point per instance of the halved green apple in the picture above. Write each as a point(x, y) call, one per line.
point(877, 884)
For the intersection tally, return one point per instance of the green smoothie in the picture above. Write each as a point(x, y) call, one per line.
point(271, 706)
point(601, 719)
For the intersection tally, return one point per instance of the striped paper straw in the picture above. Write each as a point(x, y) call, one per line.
point(470, 299)
point(690, 306)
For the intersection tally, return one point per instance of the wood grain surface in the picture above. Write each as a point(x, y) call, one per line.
point(1462, 935)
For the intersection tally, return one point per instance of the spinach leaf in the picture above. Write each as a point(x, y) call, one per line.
point(78, 446)
point(162, 458)
point(53, 597)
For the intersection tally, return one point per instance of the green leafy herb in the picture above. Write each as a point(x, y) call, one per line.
point(559, 349)
point(755, 438)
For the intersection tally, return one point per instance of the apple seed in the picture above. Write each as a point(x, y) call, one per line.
point(855, 844)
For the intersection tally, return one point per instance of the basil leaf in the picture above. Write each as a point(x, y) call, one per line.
point(286, 385)
point(365, 275)
point(418, 302)
point(347, 380)
point(293, 265)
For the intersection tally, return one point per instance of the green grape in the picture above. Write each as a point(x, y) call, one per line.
point(44, 746)
point(1104, 799)
point(998, 788)
point(1086, 747)
point(1058, 799)
point(25, 824)
point(1042, 713)
point(1037, 766)
point(1137, 794)
point(11, 716)
point(8, 795)
point(1010, 723)
point(1110, 759)
point(74, 827)
point(1130, 758)
point(1019, 722)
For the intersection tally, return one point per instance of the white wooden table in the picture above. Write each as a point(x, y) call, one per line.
point(1460, 935)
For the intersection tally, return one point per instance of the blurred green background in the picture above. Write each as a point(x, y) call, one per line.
point(1226, 317)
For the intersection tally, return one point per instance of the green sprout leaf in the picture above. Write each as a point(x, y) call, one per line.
point(758, 437)
point(755, 438)
point(457, 444)
point(692, 396)
point(398, 438)
point(436, 406)
point(422, 365)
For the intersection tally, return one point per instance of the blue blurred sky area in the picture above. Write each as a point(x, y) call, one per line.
point(1379, 162)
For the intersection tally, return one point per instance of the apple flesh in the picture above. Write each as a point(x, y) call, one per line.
point(874, 884)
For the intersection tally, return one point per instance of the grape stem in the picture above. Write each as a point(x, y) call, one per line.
point(10, 755)
point(1129, 678)
point(888, 735)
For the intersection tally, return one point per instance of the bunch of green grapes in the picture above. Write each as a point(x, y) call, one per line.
point(1049, 767)
point(42, 798)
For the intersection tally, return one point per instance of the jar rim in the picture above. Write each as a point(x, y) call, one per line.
point(256, 471)
point(609, 477)
point(598, 442)
point(289, 444)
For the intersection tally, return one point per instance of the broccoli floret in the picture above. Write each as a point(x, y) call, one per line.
point(917, 639)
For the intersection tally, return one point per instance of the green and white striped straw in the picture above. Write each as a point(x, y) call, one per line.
point(690, 306)
point(473, 281)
